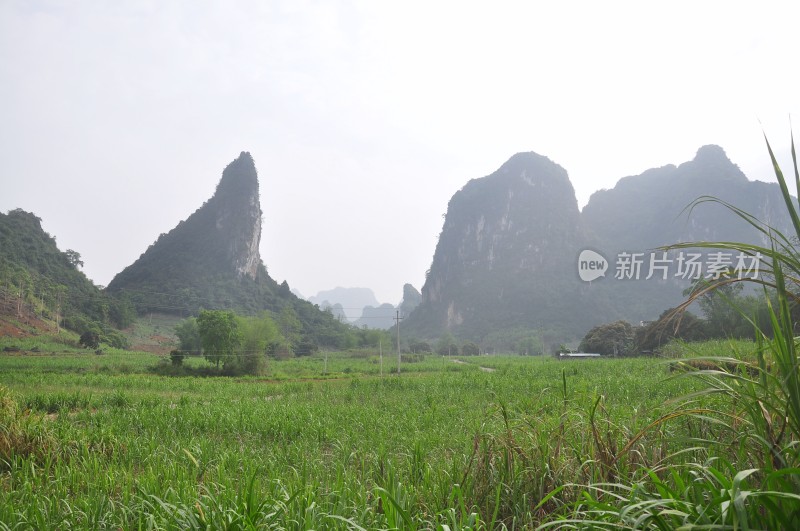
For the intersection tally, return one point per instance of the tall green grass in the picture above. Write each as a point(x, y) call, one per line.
point(462, 449)
point(744, 472)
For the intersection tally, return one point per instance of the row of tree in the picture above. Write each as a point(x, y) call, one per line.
point(727, 313)
point(237, 344)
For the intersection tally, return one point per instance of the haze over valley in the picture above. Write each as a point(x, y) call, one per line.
point(345, 264)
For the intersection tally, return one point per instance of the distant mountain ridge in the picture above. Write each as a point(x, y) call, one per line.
point(648, 210)
point(506, 261)
point(361, 308)
point(351, 300)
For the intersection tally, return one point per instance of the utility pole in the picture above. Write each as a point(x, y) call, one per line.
point(380, 353)
point(398, 319)
point(19, 302)
point(58, 311)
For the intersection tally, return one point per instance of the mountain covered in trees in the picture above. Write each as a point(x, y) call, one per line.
point(505, 269)
point(37, 278)
point(211, 260)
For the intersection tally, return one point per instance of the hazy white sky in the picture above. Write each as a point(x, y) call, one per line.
point(117, 118)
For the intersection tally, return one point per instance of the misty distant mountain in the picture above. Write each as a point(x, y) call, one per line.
point(382, 317)
point(336, 309)
point(505, 265)
point(411, 299)
point(352, 300)
point(649, 210)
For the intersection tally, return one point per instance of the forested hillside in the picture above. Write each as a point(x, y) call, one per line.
point(48, 281)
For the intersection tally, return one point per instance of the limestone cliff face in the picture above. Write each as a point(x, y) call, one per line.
point(238, 213)
point(208, 256)
point(505, 252)
point(506, 260)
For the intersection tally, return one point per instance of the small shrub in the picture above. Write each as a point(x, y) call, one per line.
point(176, 357)
point(90, 339)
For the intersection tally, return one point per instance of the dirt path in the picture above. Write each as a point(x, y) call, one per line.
point(484, 369)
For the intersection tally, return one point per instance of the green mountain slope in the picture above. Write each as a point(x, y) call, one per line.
point(35, 272)
point(211, 260)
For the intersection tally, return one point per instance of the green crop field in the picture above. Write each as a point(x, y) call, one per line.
point(102, 441)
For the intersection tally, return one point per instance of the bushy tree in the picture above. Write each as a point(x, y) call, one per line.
point(672, 324)
point(613, 339)
point(719, 301)
point(371, 337)
point(530, 346)
point(728, 311)
point(176, 357)
point(90, 339)
point(306, 347)
point(219, 335)
point(258, 334)
point(74, 258)
point(289, 325)
point(189, 336)
point(447, 344)
point(470, 349)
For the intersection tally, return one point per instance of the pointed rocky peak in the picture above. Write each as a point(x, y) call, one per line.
point(711, 165)
point(501, 247)
point(239, 178)
point(532, 169)
point(220, 239)
point(411, 299)
point(238, 214)
point(711, 154)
